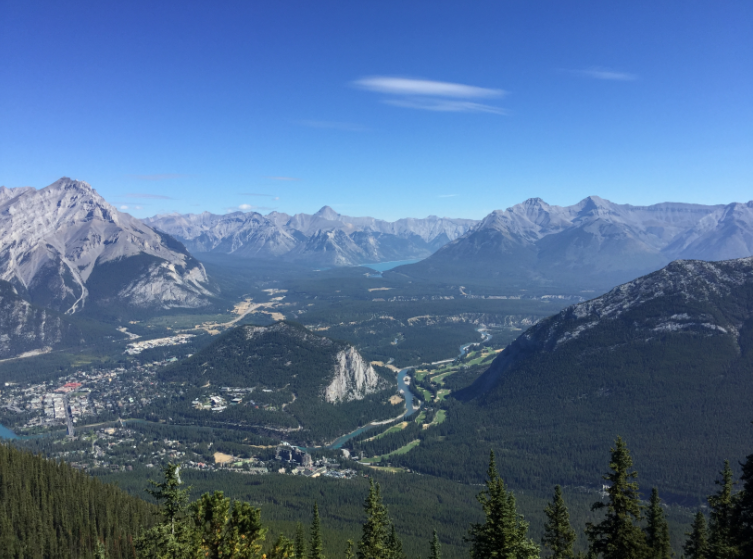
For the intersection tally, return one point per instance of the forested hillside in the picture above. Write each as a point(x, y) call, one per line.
point(313, 387)
point(665, 361)
point(49, 509)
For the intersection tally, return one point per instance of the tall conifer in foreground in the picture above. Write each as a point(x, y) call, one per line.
point(376, 530)
point(504, 534)
point(300, 542)
point(283, 548)
point(395, 545)
point(618, 536)
point(435, 551)
point(657, 530)
point(230, 529)
point(722, 504)
point(559, 536)
point(173, 537)
point(316, 549)
point(744, 511)
point(697, 545)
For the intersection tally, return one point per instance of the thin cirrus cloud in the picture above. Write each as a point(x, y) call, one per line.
point(604, 74)
point(431, 95)
point(447, 195)
point(124, 207)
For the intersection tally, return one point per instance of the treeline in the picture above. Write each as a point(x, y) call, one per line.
point(215, 526)
point(50, 510)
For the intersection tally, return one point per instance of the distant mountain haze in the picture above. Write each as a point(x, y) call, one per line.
point(324, 238)
point(64, 247)
point(592, 244)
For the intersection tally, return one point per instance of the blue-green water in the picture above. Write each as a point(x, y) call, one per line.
point(6, 433)
point(384, 266)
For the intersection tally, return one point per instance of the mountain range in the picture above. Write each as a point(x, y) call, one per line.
point(64, 247)
point(594, 244)
point(324, 238)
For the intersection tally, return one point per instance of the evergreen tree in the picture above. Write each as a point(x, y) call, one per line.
point(349, 554)
point(722, 504)
point(618, 536)
point(744, 511)
point(316, 549)
point(300, 542)
point(559, 536)
point(282, 549)
point(394, 545)
point(657, 530)
point(697, 545)
point(173, 537)
point(376, 529)
point(435, 551)
point(227, 530)
point(504, 534)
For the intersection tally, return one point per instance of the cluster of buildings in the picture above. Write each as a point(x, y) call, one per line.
point(296, 461)
point(82, 396)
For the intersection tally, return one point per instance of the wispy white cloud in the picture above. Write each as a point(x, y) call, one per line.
point(159, 176)
point(332, 125)
point(147, 195)
point(282, 178)
point(431, 95)
point(604, 74)
point(407, 86)
point(447, 195)
point(445, 105)
point(124, 207)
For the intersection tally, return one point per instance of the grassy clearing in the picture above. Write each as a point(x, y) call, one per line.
point(402, 450)
point(442, 394)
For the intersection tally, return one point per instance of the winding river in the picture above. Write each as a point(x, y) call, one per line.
point(406, 393)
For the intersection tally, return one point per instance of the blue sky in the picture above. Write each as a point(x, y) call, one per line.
point(384, 108)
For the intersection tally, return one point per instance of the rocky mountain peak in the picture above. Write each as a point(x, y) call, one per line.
point(52, 239)
point(327, 213)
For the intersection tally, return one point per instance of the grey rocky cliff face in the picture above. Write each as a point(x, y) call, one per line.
point(24, 327)
point(53, 239)
point(354, 378)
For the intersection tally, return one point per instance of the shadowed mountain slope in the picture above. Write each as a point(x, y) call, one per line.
point(665, 361)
